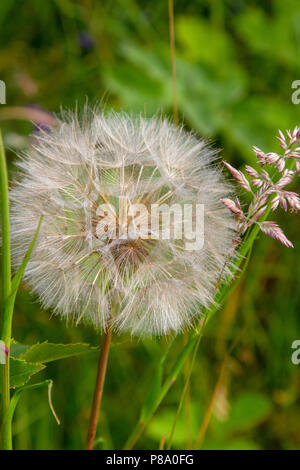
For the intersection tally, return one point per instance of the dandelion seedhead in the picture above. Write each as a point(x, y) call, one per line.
point(92, 264)
point(267, 187)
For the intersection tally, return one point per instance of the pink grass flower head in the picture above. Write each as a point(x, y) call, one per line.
point(267, 187)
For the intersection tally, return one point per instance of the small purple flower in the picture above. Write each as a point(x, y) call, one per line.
point(85, 41)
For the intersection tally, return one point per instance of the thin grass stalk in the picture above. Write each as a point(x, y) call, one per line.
point(184, 391)
point(170, 380)
point(173, 63)
point(187, 402)
point(6, 317)
point(210, 408)
point(225, 291)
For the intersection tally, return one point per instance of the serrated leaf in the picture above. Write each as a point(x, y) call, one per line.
point(17, 349)
point(21, 372)
point(48, 352)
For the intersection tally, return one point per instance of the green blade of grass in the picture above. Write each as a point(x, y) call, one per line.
point(5, 232)
point(9, 304)
point(152, 402)
point(6, 276)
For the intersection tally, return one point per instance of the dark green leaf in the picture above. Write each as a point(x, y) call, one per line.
point(21, 372)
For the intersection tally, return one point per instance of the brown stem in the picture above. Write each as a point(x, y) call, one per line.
point(98, 389)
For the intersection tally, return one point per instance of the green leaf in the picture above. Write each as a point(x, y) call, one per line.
point(192, 31)
point(229, 444)
point(242, 444)
point(21, 371)
point(48, 352)
point(248, 411)
point(17, 349)
point(161, 425)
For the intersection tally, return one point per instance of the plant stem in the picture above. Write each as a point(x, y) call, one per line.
point(6, 319)
point(6, 264)
point(102, 365)
point(172, 48)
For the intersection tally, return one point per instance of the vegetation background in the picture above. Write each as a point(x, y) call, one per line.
point(235, 62)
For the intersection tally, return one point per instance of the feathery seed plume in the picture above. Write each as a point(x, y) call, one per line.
point(82, 175)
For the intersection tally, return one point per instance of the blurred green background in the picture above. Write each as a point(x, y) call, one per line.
point(235, 61)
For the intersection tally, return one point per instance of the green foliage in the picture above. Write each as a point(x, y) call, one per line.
point(22, 371)
point(48, 352)
point(26, 361)
point(8, 417)
point(248, 411)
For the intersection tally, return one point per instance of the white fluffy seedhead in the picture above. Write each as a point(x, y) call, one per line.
point(147, 285)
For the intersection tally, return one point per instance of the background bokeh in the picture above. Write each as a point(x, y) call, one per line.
point(236, 61)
